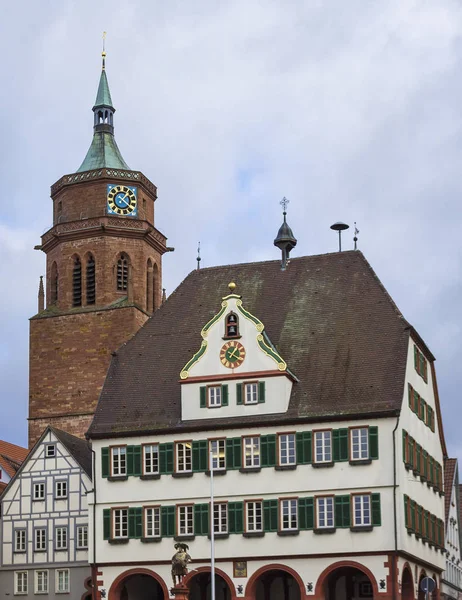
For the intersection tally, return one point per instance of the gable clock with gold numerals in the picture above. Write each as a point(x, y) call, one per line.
point(122, 200)
point(232, 354)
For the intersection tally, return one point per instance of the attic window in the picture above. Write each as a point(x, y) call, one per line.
point(50, 450)
point(232, 326)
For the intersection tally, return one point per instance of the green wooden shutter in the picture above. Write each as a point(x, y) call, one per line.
point(268, 450)
point(131, 522)
point(199, 456)
point(168, 521)
point(270, 515)
point(418, 453)
point(107, 523)
point(416, 359)
point(416, 403)
point(224, 395)
point(233, 453)
point(410, 396)
point(406, 515)
point(203, 397)
point(105, 462)
point(376, 512)
point(235, 517)
point(304, 448)
point(374, 442)
point(306, 513)
point(137, 461)
point(201, 519)
point(166, 458)
point(261, 392)
point(130, 465)
point(239, 393)
point(340, 444)
point(404, 444)
point(342, 511)
point(138, 522)
point(413, 515)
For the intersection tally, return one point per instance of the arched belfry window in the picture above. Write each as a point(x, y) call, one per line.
point(91, 280)
point(232, 326)
point(54, 284)
point(122, 273)
point(77, 283)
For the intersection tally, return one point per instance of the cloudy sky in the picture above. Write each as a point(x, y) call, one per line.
point(350, 109)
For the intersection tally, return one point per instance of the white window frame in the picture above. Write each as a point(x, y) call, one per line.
point(287, 449)
point(59, 589)
point(254, 516)
point(39, 491)
point(81, 537)
point(183, 456)
point(217, 452)
point(359, 443)
point(325, 515)
point(49, 447)
point(151, 459)
point(251, 392)
point(20, 536)
point(119, 523)
point(61, 489)
point(151, 522)
point(323, 446)
point(288, 514)
point(118, 461)
point(362, 510)
point(251, 451)
point(41, 581)
point(21, 583)
point(220, 517)
point(40, 539)
point(214, 396)
point(185, 519)
point(61, 537)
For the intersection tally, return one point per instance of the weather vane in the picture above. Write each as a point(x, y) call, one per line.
point(198, 255)
point(103, 54)
point(284, 202)
point(355, 239)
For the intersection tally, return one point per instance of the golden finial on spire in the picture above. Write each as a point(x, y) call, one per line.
point(103, 53)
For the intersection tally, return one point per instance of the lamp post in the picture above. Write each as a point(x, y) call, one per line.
point(212, 531)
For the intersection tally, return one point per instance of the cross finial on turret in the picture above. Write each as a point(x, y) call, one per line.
point(284, 202)
point(103, 53)
point(285, 239)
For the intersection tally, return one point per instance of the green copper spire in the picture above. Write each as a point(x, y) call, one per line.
point(103, 151)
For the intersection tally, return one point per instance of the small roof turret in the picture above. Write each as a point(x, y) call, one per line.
point(285, 239)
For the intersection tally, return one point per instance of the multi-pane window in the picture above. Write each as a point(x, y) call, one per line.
point(41, 582)
point(185, 520)
point(359, 440)
point(220, 517)
point(362, 510)
point(39, 491)
point(152, 521)
point(251, 447)
point(288, 516)
point(119, 461)
point(20, 540)
point(323, 446)
point(20, 582)
point(420, 363)
point(214, 395)
point(62, 581)
point(251, 393)
point(254, 515)
point(82, 537)
point(40, 539)
point(325, 512)
point(61, 538)
point(50, 450)
point(151, 459)
point(120, 522)
point(287, 449)
point(218, 451)
point(61, 490)
point(184, 457)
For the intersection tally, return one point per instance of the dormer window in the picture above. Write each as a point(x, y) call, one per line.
point(232, 326)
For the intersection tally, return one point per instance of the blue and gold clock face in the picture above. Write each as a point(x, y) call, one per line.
point(122, 200)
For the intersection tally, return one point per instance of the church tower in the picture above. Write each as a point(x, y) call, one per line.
point(103, 278)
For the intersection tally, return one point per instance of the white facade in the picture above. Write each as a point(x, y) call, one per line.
point(452, 577)
point(44, 527)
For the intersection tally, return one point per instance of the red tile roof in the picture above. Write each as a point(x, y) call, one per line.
point(450, 465)
point(11, 457)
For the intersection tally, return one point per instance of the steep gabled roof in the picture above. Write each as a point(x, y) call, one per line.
point(11, 457)
point(328, 316)
point(450, 465)
point(77, 447)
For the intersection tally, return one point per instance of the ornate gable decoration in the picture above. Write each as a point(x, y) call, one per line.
point(230, 341)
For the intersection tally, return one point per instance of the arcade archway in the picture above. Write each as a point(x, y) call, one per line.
point(199, 585)
point(407, 585)
point(138, 584)
point(348, 583)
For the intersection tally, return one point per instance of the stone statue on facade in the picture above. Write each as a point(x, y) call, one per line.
point(180, 562)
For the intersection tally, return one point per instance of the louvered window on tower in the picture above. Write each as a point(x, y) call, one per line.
point(91, 281)
point(77, 283)
point(122, 273)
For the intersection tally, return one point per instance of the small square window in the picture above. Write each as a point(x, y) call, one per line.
point(60, 490)
point(251, 393)
point(41, 582)
point(185, 520)
point(39, 491)
point(325, 512)
point(359, 440)
point(82, 537)
point(152, 522)
point(62, 581)
point(20, 583)
point(50, 450)
point(251, 447)
point(214, 395)
point(119, 461)
point(288, 516)
point(151, 459)
point(322, 446)
point(362, 510)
